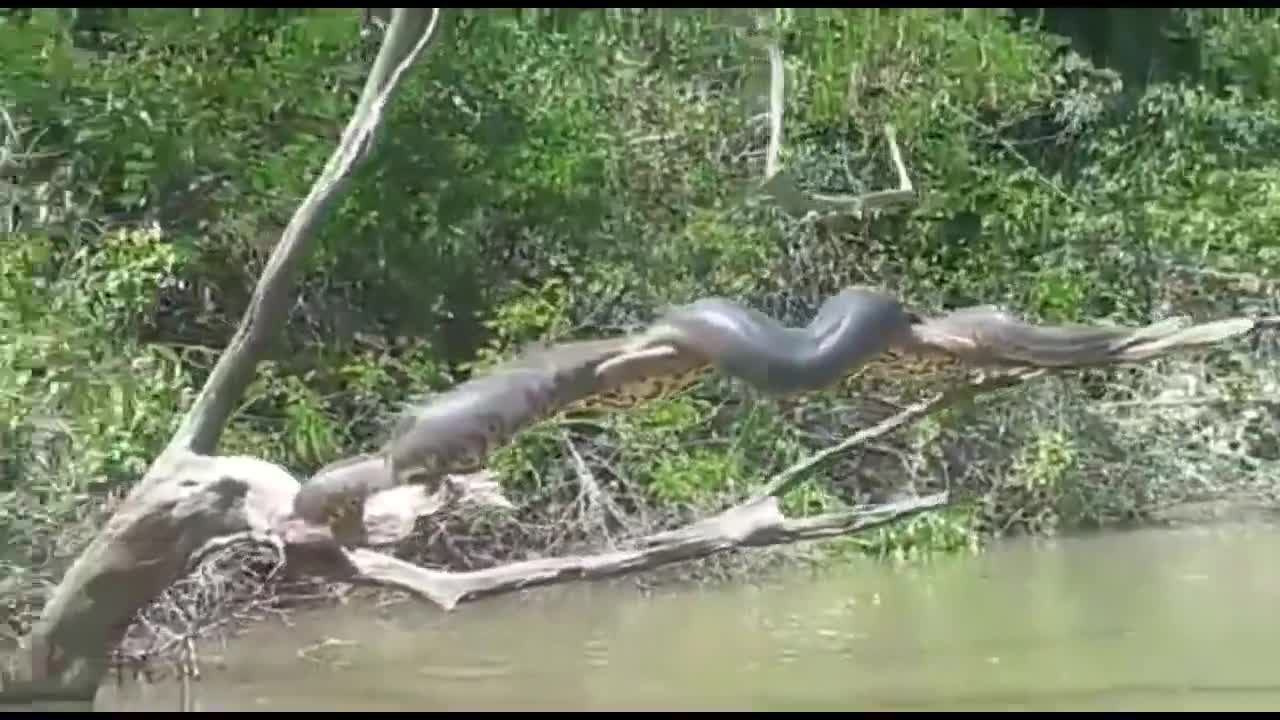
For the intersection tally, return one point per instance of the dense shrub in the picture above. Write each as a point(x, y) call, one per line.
point(569, 174)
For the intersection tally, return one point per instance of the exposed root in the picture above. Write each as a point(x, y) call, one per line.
point(236, 583)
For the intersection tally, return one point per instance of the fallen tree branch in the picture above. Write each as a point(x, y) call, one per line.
point(753, 524)
point(230, 499)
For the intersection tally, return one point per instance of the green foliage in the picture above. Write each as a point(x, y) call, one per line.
point(946, 531)
point(551, 175)
point(86, 406)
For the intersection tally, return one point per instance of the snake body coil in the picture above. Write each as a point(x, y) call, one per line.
point(849, 329)
point(456, 430)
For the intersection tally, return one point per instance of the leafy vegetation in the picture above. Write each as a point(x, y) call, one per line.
point(568, 174)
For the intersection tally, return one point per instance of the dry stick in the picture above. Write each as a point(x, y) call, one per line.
point(786, 190)
point(599, 503)
point(777, 81)
point(9, 149)
point(204, 422)
point(750, 525)
point(787, 479)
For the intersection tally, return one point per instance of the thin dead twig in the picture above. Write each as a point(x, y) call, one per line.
point(785, 189)
point(202, 426)
point(787, 479)
point(598, 502)
point(753, 524)
point(777, 83)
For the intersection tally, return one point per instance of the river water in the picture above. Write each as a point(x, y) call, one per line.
point(1182, 619)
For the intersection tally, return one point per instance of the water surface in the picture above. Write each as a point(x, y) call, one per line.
point(1155, 619)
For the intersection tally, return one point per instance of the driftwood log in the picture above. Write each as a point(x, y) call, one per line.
point(192, 500)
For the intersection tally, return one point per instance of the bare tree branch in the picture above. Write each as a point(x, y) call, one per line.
point(787, 479)
point(904, 194)
point(784, 188)
point(176, 508)
point(190, 502)
point(203, 424)
point(777, 95)
point(9, 149)
point(754, 524)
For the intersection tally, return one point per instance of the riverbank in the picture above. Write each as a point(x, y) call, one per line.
point(238, 589)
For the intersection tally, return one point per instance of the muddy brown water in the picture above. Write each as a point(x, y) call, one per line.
point(1185, 619)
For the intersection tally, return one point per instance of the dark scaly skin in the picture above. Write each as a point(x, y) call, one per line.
point(336, 494)
point(990, 336)
point(456, 431)
point(849, 329)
